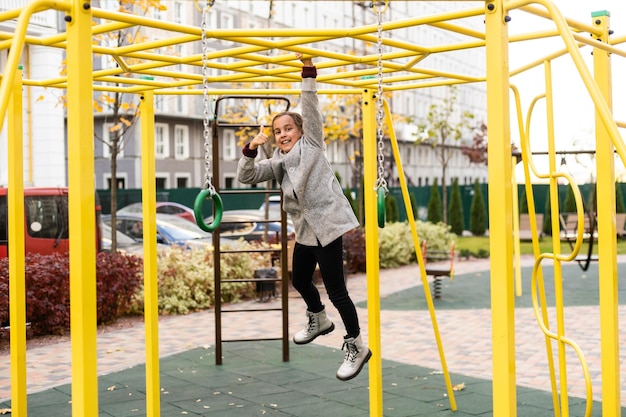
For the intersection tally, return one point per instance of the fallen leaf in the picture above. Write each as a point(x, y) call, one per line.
point(5, 410)
point(111, 388)
point(458, 387)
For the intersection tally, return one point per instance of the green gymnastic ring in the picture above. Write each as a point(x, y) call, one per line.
point(217, 212)
point(381, 207)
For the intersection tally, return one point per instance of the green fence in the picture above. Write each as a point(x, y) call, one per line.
point(236, 201)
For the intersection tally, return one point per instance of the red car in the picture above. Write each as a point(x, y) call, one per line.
point(166, 207)
point(46, 223)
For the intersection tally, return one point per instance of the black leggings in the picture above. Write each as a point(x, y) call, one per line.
point(330, 260)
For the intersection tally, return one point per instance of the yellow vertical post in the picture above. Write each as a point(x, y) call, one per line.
point(150, 273)
point(500, 209)
point(17, 287)
point(371, 251)
point(516, 243)
point(80, 146)
point(607, 244)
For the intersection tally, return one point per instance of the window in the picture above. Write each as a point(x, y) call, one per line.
point(161, 141)
point(181, 104)
point(182, 180)
point(120, 179)
point(179, 14)
point(48, 213)
point(159, 103)
point(229, 144)
point(161, 182)
point(229, 181)
point(107, 134)
point(226, 21)
point(181, 142)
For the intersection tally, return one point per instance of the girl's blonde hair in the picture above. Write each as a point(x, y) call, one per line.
point(297, 118)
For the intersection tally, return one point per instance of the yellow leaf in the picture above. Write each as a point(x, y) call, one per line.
point(5, 410)
point(40, 98)
point(458, 387)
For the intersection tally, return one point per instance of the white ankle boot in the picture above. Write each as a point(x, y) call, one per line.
point(357, 355)
point(318, 324)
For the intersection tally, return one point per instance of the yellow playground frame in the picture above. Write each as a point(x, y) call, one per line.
point(245, 60)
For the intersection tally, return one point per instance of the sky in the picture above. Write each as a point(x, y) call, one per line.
point(574, 111)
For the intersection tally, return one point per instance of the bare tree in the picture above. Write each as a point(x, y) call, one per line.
point(477, 152)
point(445, 124)
point(121, 111)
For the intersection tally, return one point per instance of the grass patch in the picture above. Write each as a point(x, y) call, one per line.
point(476, 244)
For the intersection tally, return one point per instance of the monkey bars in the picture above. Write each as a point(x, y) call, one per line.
point(263, 61)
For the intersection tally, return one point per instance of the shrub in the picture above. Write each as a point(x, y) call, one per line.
point(547, 218)
point(391, 208)
point(434, 204)
point(354, 248)
point(186, 277)
point(523, 205)
point(396, 246)
point(47, 293)
point(455, 209)
point(48, 290)
point(118, 278)
point(4, 296)
point(478, 212)
point(569, 206)
point(413, 205)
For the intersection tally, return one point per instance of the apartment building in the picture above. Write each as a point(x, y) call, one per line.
point(179, 124)
point(43, 118)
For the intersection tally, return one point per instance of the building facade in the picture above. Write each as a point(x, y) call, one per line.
point(179, 128)
point(43, 116)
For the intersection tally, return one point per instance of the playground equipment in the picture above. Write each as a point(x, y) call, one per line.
point(244, 59)
point(209, 188)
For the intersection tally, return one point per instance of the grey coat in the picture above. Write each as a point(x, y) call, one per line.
point(311, 193)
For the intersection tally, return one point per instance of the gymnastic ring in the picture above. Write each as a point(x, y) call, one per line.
point(217, 212)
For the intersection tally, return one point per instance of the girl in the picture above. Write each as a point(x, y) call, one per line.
point(320, 213)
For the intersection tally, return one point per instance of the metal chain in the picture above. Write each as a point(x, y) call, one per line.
point(208, 183)
point(380, 112)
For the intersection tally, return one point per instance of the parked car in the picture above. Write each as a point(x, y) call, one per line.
point(273, 203)
point(171, 229)
point(165, 207)
point(125, 243)
point(250, 225)
point(46, 222)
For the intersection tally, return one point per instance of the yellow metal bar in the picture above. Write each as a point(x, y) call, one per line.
point(150, 269)
point(500, 209)
point(15, 52)
point(17, 287)
point(371, 251)
point(537, 283)
point(556, 243)
point(607, 243)
point(420, 261)
point(516, 238)
point(603, 112)
point(574, 24)
point(82, 212)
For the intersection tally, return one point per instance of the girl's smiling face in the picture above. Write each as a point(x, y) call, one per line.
point(286, 132)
